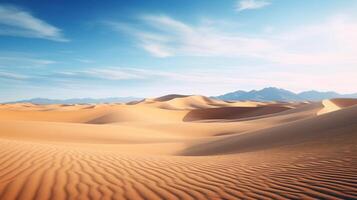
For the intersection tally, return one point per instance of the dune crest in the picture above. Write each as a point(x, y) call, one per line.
point(331, 105)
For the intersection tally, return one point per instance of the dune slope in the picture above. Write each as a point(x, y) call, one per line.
point(231, 112)
point(331, 125)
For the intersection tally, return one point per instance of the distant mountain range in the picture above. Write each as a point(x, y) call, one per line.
point(266, 94)
point(277, 94)
point(79, 100)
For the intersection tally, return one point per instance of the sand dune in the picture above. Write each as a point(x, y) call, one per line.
point(184, 102)
point(96, 115)
point(179, 147)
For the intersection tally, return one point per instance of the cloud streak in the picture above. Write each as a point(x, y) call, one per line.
point(110, 74)
point(17, 22)
point(12, 76)
point(251, 4)
point(22, 61)
point(122, 74)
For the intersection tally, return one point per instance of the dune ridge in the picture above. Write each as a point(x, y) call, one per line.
point(331, 105)
point(179, 147)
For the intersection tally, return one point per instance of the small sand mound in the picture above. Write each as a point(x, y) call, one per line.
point(194, 102)
point(170, 97)
point(140, 113)
point(135, 102)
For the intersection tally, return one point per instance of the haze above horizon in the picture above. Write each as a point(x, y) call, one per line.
point(76, 49)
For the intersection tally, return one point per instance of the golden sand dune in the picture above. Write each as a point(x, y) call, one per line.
point(179, 147)
point(97, 115)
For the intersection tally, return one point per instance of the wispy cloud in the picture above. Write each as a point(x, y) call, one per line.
point(170, 37)
point(110, 74)
point(150, 42)
point(12, 76)
point(157, 50)
point(27, 60)
point(15, 21)
point(84, 60)
point(24, 61)
point(251, 4)
point(331, 42)
point(120, 73)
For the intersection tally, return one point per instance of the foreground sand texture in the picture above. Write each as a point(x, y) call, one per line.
point(179, 147)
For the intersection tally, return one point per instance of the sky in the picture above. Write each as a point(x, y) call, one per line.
point(146, 48)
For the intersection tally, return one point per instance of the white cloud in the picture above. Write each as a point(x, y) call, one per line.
point(17, 22)
point(251, 4)
point(170, 37)
point(331, 42)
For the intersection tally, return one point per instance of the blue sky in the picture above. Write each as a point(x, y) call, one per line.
point(71, 49)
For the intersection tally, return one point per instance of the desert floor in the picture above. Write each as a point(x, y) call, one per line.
point(179, 147)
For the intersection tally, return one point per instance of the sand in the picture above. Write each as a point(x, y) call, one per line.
point(179, 147)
